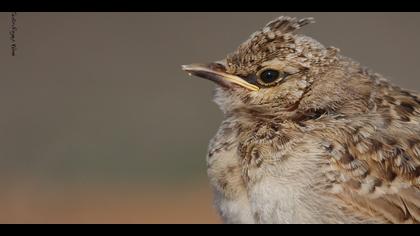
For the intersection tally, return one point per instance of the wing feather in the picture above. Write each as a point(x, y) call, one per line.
point(378, 158)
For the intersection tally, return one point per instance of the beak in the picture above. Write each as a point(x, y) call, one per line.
point(216, 72)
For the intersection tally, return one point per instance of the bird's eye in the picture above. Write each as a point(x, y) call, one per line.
point(270, 76)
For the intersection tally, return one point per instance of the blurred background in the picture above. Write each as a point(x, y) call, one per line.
point(98, 124)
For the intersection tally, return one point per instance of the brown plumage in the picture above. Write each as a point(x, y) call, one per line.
point(310, 136)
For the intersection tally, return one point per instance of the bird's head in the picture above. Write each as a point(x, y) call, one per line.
point(275, 69)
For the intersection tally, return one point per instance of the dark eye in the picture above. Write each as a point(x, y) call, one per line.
point(270, 76)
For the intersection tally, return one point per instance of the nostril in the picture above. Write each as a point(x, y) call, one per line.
point(217, 67)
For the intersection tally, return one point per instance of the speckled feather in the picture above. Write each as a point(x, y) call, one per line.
point(331, 143)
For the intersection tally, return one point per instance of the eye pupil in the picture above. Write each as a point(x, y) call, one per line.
point(269, 76)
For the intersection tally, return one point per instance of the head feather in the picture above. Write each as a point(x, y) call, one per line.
point(274, 40)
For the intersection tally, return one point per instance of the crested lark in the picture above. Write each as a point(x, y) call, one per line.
point(309, 135)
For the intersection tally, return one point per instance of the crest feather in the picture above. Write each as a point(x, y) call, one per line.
point(286, 24)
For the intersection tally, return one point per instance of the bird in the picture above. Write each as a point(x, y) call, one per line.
point(310, 136)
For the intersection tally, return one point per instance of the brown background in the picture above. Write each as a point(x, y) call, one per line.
point(98, 124)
